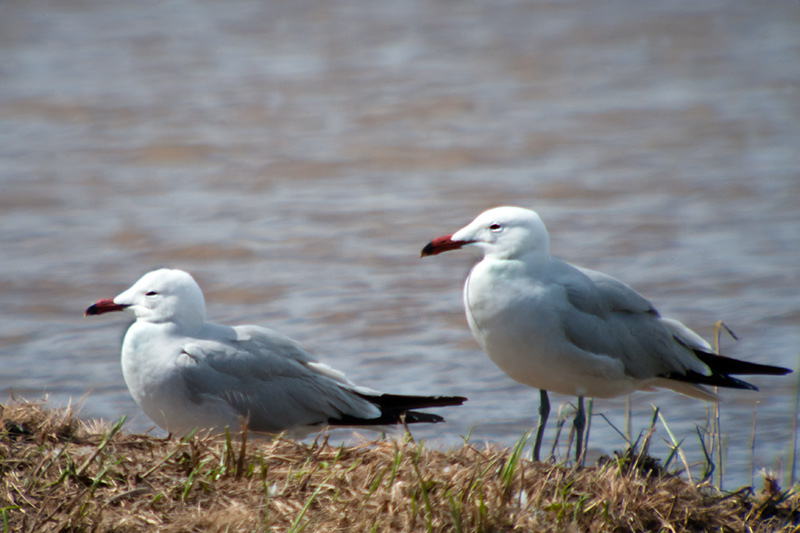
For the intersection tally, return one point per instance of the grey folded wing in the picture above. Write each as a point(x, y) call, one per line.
point(269, 379)
point(608, 317)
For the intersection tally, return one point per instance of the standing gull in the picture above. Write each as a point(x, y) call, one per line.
point(186, 373)
point(562, 328)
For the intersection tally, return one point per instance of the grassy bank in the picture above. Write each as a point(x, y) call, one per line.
point(58, 473)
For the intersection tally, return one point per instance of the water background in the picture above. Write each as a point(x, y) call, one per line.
point(296, 156)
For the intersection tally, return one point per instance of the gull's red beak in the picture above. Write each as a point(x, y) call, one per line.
point(103, 306)
point(442, 244)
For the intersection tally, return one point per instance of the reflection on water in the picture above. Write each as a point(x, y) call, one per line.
point(296, 157)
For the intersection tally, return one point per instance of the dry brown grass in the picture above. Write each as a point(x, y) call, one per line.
point(59, 474)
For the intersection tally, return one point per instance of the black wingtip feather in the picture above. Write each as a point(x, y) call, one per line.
point(404, 402)
point(722, 367)
point(717, 380)
point(728, 365)
point(394, 406)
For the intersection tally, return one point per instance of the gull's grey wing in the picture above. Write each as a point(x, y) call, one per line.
point(598, 292)
point(606, 316)
point(269, 378)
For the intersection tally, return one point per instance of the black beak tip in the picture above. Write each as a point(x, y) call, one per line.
point(427, 250)
point(91, 310)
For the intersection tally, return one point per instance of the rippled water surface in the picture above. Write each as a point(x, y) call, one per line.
point(295, 157)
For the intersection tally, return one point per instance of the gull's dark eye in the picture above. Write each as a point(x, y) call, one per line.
point(495, 227)
point(151, 293)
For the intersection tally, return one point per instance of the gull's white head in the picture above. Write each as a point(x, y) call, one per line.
point(161, 296)
point(503, 232)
